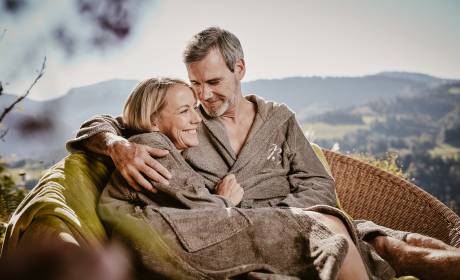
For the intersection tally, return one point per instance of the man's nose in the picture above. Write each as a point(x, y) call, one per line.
point(206, 92)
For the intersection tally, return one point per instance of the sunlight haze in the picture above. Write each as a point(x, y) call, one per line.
point(279, 38)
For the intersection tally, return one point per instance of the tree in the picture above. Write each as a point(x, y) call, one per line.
point(8, 109)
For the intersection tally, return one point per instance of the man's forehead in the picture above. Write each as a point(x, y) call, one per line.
point(213, 62)
point(205, 73)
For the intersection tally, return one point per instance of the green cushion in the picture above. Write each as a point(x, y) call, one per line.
point(319, 153)
point(63, 203)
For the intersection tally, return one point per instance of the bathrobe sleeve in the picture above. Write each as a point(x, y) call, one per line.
point(95, 125)
point(310, 183)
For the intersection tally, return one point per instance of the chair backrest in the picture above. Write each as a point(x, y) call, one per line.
point(370, 193)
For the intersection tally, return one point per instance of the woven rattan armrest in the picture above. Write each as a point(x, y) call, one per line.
point(370, 193)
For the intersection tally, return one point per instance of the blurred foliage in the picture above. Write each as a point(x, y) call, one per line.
point(10, 194)
point(99, 24)
point(10, 197)
point(388, 162)
point(2, 232)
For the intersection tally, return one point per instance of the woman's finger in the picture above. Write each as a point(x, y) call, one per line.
point(229, 178)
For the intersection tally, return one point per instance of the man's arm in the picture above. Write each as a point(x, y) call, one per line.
point(84, 140)
point(103, 135)
point(310, 183)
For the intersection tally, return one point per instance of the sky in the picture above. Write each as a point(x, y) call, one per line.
point(280, 39)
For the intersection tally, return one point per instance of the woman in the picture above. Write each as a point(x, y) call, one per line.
point(201, 235)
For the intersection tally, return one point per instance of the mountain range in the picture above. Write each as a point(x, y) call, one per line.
point(39, 129)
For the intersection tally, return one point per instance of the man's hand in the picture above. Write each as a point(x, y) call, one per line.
point(135, 160)
point(230, 189)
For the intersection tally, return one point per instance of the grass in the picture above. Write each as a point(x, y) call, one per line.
point(33, 170)
point(321, 130)
point(454, 90)
point(31, 173)
point(445, 151)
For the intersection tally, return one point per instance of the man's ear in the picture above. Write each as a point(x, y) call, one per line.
point(240, 69)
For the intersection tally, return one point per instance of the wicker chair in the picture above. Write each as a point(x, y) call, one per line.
point(369, 193)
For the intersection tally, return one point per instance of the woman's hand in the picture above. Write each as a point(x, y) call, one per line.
point(230, 189)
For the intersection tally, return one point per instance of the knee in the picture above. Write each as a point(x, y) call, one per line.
point(333, 223)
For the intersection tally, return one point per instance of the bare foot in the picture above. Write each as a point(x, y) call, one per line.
point(424, 263)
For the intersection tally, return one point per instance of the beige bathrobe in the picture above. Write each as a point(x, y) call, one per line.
point(277, 168)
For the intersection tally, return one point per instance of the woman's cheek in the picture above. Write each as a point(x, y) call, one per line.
point(180, 139)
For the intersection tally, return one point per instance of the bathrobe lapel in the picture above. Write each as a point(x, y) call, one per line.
point(268, 119)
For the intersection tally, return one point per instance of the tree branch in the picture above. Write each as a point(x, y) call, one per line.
point(3, 134)
point(20, 98)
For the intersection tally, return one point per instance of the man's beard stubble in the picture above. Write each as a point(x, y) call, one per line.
point(222, 109)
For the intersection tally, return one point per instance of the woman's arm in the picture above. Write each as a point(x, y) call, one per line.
point(186, 189)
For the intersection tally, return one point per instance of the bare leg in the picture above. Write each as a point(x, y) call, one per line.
point(419, 240)
point(422, 262)
point(353, 265)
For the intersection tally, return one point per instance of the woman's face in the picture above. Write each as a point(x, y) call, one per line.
point(179, 119)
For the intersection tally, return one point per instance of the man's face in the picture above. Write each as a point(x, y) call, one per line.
point(216, 86)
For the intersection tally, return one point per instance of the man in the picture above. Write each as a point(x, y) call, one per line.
point(229, 138)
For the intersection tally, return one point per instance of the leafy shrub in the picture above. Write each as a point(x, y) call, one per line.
point(10, 195)
point(388, 162)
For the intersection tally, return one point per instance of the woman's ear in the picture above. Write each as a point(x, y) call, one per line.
point(154, 124)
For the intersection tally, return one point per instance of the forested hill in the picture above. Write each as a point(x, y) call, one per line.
point(424, 130)
point(309, 96)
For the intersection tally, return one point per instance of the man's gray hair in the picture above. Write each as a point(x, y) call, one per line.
point(210, 38)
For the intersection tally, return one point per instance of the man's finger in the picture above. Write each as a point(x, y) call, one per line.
point(130, 181)
point(154, 175)
point(158, 167)
point(139, 179)
point(157, 152)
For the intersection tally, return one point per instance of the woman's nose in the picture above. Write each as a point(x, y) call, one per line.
point(196, 117)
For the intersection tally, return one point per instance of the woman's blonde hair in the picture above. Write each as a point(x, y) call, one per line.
point(145, 102)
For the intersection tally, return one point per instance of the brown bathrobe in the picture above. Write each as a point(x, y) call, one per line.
point(214, 239)
point(276, 167)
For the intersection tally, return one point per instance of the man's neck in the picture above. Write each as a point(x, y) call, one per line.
point(238, 122)
point(239, 111)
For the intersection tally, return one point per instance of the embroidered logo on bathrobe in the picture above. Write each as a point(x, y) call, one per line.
point(275, 154)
